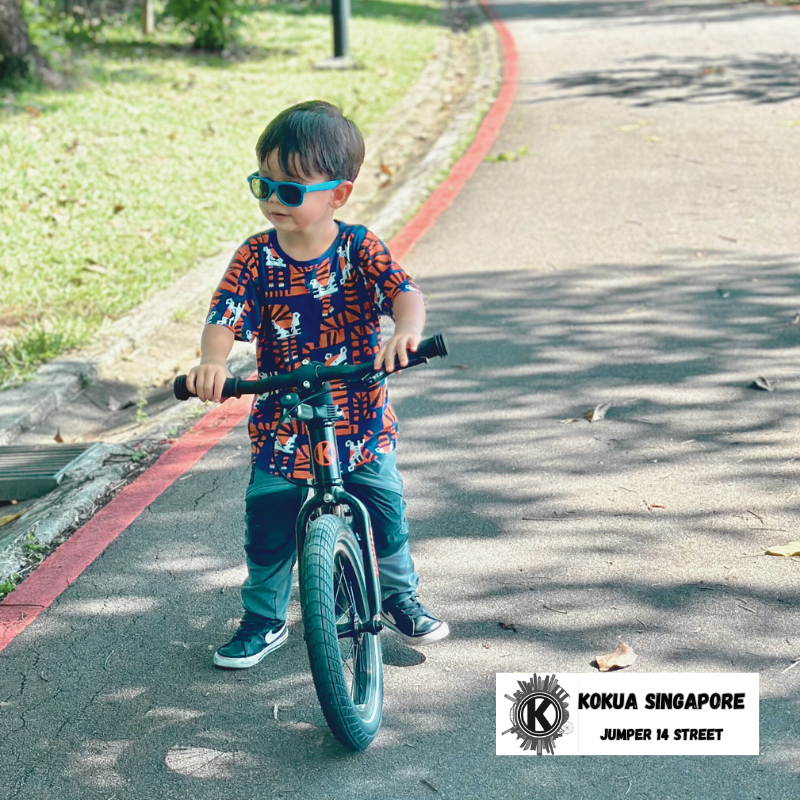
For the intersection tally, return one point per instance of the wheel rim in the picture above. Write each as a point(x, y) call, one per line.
point(359, 653)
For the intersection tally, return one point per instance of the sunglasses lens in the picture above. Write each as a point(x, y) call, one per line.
point(259, 189)
point(290, 195)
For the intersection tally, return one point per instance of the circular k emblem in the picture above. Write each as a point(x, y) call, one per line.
point(539, 713)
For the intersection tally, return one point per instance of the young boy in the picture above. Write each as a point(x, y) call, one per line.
point(313, 287)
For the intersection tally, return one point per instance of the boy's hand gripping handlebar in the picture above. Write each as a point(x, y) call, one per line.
point(311, 375)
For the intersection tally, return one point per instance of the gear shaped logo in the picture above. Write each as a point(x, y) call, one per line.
point(539, 714)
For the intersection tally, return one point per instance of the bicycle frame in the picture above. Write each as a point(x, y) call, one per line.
point(313, 405)
point(328, 493)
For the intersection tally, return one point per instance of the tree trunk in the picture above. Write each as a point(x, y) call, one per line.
point(148, 18)
point(18, 57)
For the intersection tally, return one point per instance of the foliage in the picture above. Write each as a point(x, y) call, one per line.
point(7, 585)
point(212, 22)
point(112, 190)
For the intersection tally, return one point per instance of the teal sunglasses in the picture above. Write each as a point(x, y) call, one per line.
point(290, 194)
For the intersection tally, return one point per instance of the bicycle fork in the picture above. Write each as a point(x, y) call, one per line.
point(319, 415)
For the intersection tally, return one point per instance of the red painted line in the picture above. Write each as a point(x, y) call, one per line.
point(462, 170)
point(63, 567)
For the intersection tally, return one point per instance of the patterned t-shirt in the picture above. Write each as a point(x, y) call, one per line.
point(326, 310)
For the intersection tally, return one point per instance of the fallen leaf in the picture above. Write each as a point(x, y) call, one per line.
point(568, 420)
point(429, 785)
point(651, 506)
point(623, 656)
point(508, 626)
point(789, 550)
point(59, 219)
point(99, 269)
point(597, 413)
point(511, 155)
point(33, 111)
point(58, 437)
point(11, 517)
point(386, 169)
point(764, 383)
point(118, 207)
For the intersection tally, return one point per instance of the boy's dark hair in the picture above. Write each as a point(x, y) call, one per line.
point(316, 136)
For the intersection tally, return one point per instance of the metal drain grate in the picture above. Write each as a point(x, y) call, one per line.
point(31, 471)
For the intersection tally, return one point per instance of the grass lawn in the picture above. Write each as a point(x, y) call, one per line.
point(112, 189)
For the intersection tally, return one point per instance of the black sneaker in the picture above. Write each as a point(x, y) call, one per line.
point(255, 638)
point(414, 623)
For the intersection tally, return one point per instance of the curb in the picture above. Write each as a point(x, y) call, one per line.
point(90, 480)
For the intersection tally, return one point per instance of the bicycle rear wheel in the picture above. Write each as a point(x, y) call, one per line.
point(345, 663)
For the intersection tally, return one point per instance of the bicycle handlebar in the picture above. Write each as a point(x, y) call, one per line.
point(316, 374)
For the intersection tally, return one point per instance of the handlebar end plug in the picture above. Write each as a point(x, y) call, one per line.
point(179, 388)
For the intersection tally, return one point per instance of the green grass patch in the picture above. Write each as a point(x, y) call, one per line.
point(111, 190)
point(7, 585)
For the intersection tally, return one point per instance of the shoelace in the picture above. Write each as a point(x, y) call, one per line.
point(412, 607)
point(250, 625)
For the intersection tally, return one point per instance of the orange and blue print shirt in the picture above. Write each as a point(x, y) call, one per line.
point(326, 310)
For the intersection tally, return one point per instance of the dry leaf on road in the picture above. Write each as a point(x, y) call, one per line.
point(623, 656)
point(763, 383)
point(11, 517)
point(597, 413)
point(789, 550)
point(508, 626)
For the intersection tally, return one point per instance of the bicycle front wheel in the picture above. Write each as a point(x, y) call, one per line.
point(345, 662)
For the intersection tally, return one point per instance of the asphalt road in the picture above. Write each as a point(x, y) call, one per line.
point(644, 252)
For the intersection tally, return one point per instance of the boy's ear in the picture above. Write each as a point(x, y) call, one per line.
point(341, 194)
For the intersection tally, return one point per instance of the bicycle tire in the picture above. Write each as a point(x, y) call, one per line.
point(333, 597)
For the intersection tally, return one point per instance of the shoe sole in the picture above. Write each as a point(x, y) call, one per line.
point(250, 661)
point(442, 632)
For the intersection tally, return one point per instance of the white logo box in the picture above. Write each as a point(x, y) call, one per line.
point(626, 714)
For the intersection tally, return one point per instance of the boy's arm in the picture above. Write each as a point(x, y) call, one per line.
point(208, 377)
point(409, 317)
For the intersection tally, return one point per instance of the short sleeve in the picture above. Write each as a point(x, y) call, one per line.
point(385, 278)
point(236, 301)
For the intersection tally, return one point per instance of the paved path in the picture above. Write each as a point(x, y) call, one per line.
point(644, 252)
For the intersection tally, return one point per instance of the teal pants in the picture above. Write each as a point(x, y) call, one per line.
point(272, 505)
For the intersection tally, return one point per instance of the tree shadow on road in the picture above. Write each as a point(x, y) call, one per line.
point(657, 80)
point(641, 526)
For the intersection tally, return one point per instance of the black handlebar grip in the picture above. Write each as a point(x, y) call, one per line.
point(433, 347)
point(230, 389)
point(180, 390)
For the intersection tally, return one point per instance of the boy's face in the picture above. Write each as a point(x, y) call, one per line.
point(316, 208)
